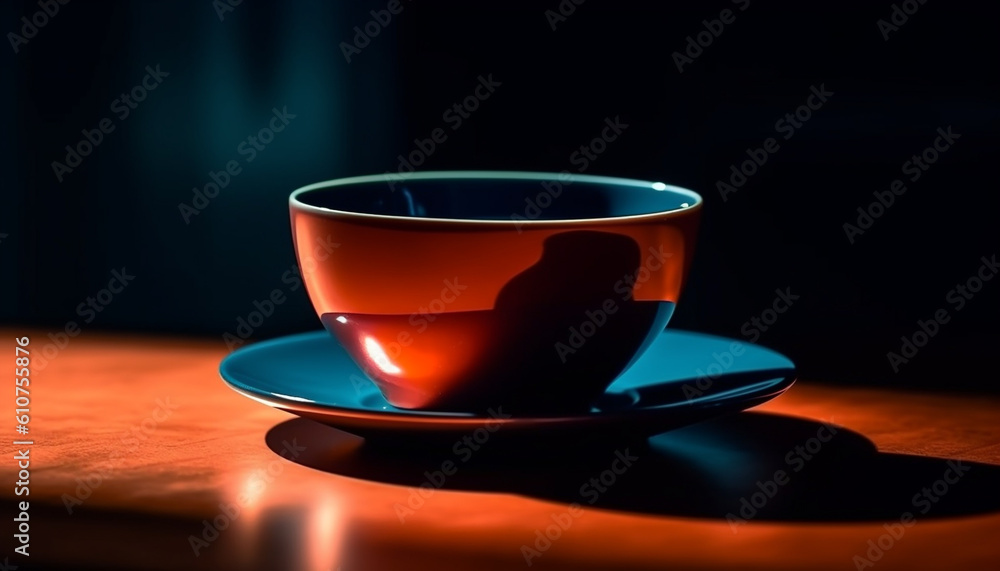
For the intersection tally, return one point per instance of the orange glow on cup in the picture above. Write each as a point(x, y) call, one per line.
point(462, 291)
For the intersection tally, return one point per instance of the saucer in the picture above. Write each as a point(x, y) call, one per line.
point(681, 379)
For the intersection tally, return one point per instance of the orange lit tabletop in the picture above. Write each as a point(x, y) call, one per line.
point(144, 459)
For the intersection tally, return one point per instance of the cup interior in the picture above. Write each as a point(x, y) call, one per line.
point(496, 196)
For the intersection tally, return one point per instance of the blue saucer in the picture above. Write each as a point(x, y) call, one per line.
point(683, 378)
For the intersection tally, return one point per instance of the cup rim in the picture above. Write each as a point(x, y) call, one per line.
point(696, 200)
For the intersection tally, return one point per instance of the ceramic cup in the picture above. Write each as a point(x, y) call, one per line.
point(468, 291)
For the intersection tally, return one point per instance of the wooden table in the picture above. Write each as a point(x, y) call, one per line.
point(144, 459)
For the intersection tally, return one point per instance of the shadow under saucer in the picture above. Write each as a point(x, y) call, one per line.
point(746, 466)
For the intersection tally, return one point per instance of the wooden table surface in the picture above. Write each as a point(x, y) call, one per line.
point(144, 459)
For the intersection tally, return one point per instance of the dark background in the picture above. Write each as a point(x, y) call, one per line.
point(782, 229)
